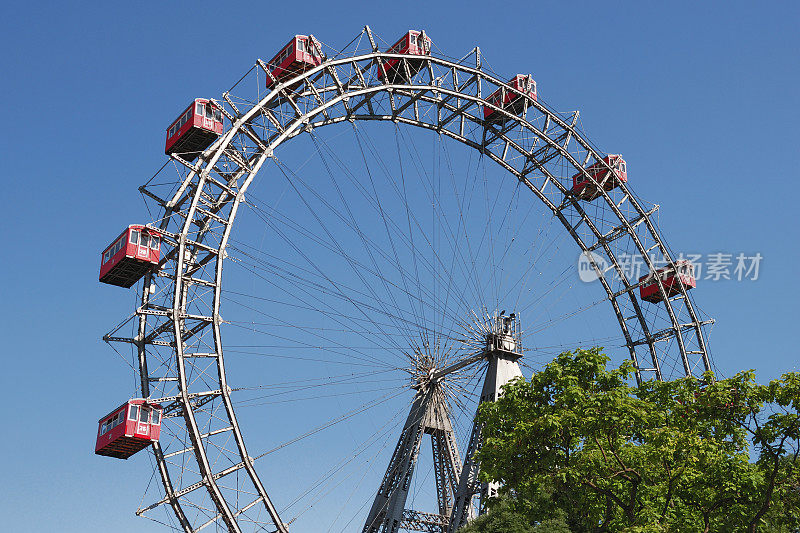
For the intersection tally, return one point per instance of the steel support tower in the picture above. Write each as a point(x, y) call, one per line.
point(503, 350)
point(429, 415)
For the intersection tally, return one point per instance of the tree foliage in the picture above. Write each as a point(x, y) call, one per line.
point(578, 442)
point(505, 518)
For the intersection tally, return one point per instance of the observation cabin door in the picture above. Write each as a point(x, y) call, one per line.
point(143, 423)
point(143, 251)
point(208, 116)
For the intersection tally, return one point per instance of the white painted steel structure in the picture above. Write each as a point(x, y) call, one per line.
point(179, 342)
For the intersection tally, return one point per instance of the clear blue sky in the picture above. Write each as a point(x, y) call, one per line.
point(700, 97)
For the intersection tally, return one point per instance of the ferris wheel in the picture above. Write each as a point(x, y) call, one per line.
point(401, 233)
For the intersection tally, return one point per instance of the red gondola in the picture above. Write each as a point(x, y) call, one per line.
point(131, 256)
point(671, 278)
point(584, 189)
point(413, 43)
point(194, 131)
point(302, 53)
point(131, 427)
point(510, 100)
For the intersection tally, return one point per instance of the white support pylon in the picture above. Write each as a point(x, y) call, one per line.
point(502, 351)
point(428, 415)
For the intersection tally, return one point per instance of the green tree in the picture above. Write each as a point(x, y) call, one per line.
point(579, 442)
point(504, 517)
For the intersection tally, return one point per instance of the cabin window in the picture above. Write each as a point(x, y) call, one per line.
point(156, 417)
point(154, 242)
point(210, 111)
point(134, 412)
point(301, 46)
point(113, 422)
point(134, 237)
point(198, 109)
point(145, 241)
point(285, 54)
point(144, 414)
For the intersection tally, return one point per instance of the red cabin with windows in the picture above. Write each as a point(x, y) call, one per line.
point(198, 126)
point(510, 100)
point(131, 256)
point(584, 189)
point(413, 43)
point(131, 427)
point(302, 53)
point(671, 278)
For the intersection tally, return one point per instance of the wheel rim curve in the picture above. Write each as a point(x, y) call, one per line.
point(233, 193)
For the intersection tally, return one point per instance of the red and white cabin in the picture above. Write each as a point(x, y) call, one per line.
point(510, 100)
point(413, 43)
point(584, 189)
point(198, 126)
point(131, 256)
point(131, 427)
point(671, 278)
point(302, 53)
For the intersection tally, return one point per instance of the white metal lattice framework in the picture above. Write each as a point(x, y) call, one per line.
point(179, 340)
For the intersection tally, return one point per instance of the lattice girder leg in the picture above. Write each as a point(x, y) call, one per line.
point(503, 368)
